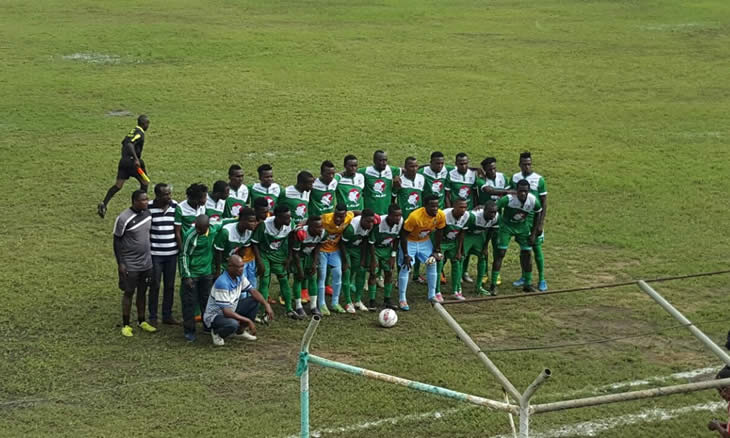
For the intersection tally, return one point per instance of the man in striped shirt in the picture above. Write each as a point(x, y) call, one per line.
point(164, 253)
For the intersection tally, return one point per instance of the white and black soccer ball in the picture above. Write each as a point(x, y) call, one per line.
point(387, 318)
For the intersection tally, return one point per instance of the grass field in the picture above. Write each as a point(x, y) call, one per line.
point(624, 104)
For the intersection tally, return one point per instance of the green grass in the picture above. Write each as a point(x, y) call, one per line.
point(624, 105)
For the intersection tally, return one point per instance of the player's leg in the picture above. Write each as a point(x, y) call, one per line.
point(388, 286)
point(158, 267)
point(127, 294)
point(403, 274)
point(540, 263)
point(265, 279)
point(205, 283)
point(525, 261)
point(346, 279)
point(284, 289)
point(313, 288)
point(417, 273)
point(188, 300)
point(456, 276)
point(143, 281)
point(296, 289)
point(359, 286)
point(335, 263)
point(169, 268)
point(321, 277)
point(503, 239)
point(249, 271)
point(494, 239)
point(465, 270)
point(423, 252)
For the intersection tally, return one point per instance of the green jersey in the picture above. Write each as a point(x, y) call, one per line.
point(230, 239)
point(383, 235)
point(354, 234)
point(271, 193)
point(322, 198)
point(461, 186)
point(478, 225)
point(499, 182)
point(453, 228)
point(537, 185)
point(196, 254)
point(434, 184)
point(185, 215)
point(378, 190)
point(237, 199)
point(515, 215)
point(349, 191)
point(410, 195)
point(214, 209)
point(271, 241)
point(298, 203)
point(309, 243)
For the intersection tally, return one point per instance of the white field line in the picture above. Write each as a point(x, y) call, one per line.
point(600, 425)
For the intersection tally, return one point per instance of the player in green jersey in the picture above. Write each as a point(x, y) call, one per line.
point(196, 261)
point(515, 211)
point(537, 188)
point(356, 238)
point(189, 209)
point(350, 185)
point(452, 246)
point(410, 192)
point(482, 226)
point(379, 181)
point(238, 192)
point(305, 243)
point(461, 182)
point(384, 250)
point(323, 197)
point(216, 202)
point(266, 187)
point(235, 239)
point(296, 197)
point(271, 250)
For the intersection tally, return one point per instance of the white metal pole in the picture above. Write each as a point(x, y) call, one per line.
point(719, 352)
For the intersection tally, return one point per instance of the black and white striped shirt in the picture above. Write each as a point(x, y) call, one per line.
point(162, 234)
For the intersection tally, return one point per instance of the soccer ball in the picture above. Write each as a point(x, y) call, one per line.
point(387, 318)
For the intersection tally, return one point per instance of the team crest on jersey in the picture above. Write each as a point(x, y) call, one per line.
point(214, 218)
point(301, 210)
point(464, 192)
point(270, 201)
point(451, 235)
point(413, 199)
point(236, 208)
point(326, 199)
point(423, 233)
point(379, 186)
point(276, 244)
point(518, 217)
point(437, 186)
point(387, 241)
point(353, 195)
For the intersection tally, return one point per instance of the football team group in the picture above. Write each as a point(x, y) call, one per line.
point(347, 232)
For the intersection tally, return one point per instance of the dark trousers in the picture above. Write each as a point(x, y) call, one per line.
point(197, 294)
point(224, 327)
point(163, 270)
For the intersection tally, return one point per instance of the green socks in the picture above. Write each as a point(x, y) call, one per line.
point(539, 261)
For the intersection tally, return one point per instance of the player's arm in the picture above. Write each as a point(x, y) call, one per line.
point(343, 255)
point(498, 192)
point(256, 295)
point(407, 262)
point(541, 217)
point(294, 254)
point(460, 246)
point(315, 260)
point(258, 236)
point(128, 144)
point(118, 253)
point(218, 247)
point(536, 227)
point(185, 252)
point(394, 252)
point(438, 235)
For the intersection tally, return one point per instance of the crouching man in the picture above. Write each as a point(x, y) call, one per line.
point(232, 305)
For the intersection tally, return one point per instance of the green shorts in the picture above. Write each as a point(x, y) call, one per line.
point(505, 235)
point(474, 244)
point(272, 267)
point(307, 261)
point(354, 260)
point(382, 258)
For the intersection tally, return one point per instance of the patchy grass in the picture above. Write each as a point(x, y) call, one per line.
point(624, 105)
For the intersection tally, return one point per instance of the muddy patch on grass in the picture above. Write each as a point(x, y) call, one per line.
point(119, 113)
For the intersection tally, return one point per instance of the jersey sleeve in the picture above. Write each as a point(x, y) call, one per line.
point(220, 240)
point(258, 234)
point(178, 215)
point(410, 223)
point(396, 170)
point(541, 189)
point(471, 223)
point(502, 202)
point(348, 234)
point(440, 220)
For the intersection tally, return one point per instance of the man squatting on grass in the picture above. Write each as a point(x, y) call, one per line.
point(134, 258)
point(233, 304)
